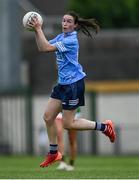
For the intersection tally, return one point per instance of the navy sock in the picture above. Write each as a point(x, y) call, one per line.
point(53, 148)
point(100, 126)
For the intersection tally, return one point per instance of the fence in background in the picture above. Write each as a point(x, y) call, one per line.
point(19, 134)
point(15, 122)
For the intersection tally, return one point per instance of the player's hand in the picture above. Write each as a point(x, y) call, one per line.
point(34, 23)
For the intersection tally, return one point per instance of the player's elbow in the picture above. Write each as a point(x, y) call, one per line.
point(42, 50)
point(50, 48)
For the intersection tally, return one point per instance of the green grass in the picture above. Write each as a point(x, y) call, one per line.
point(93, 167)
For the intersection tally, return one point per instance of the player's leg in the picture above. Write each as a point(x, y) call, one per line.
point(74, 97)
point(72, 135)
point(80, 124)
point(60, 133)
point(106, 127)
point(52, 110)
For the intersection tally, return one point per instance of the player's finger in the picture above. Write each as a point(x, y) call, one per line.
point(29, 23)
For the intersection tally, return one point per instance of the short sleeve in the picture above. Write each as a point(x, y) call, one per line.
point(65, 45)
point(52, 41)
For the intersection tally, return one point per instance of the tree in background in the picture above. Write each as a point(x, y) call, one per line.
point(110, 13)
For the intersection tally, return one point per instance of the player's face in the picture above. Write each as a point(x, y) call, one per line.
point(68, 24)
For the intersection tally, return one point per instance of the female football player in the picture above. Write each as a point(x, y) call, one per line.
point(68, 93)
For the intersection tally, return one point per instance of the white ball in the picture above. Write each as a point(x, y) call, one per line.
point(27, 17)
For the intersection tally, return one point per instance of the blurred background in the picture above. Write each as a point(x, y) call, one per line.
point(110, 59)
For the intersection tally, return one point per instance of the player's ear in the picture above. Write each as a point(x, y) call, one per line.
point(75, 25)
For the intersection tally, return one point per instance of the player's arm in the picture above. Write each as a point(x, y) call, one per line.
point(42, 43)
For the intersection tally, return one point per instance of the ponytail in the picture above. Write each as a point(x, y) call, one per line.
point(85, 25)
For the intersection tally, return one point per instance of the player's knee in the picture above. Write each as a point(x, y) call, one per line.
point(47, 118)
point(67, 125)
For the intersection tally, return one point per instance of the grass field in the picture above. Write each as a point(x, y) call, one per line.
point(93, 167)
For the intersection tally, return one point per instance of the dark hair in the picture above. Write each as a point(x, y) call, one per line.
point(85, 25)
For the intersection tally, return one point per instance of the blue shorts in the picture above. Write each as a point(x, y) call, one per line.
point(71, 95)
